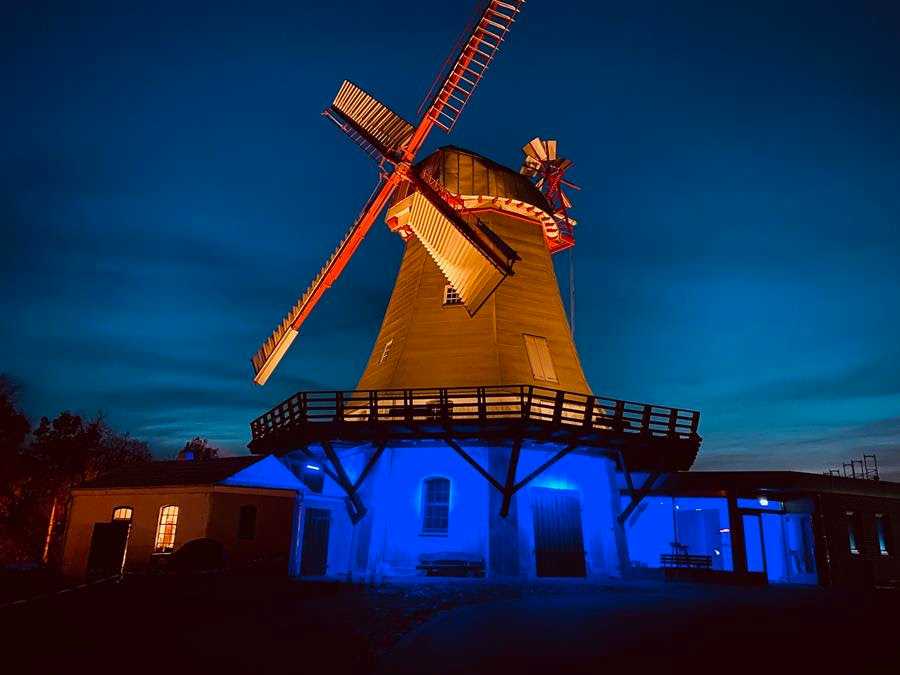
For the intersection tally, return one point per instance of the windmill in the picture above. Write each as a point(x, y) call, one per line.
point(474, 260)
point(473, 368)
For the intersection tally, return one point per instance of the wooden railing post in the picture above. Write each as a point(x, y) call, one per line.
point(588, 421)
point(619, 417)
point(482, 407)
point(645, 420)
point(558, 406)
point(444, 398)
point(695, 422)
point(673, 422)
point(304, 407)
point(339, 406)
point(373, 405)
point(408, 405)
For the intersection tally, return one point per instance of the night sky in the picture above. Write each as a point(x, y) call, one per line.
point(168, 187)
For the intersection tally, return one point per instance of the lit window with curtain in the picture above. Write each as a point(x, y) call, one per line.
point(165, 530)
point(122, 513)
point(436, 506)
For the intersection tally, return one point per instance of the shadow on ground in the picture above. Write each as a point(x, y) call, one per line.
point(253, 624)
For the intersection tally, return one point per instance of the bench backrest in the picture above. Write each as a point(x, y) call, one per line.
point(685, 560)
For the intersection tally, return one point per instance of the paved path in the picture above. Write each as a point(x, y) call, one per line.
point(660, 630)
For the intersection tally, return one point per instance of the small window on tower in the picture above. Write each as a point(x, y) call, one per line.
point(387, 351)
point(451, 296)
point(539, 356)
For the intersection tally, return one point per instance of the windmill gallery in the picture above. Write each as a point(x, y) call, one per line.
point(473, 443)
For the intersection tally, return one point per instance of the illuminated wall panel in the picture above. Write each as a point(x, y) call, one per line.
point(693, 525)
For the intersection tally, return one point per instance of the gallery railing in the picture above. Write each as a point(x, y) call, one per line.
point(477, 404)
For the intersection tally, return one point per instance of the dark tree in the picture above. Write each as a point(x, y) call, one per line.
point(14, 426)
point(35, 477)
point(14, 467)
point(69, 451)
point(198, 449)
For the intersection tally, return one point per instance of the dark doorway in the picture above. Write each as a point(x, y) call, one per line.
point(108, 543)
point(558, 542)
point(314, 557)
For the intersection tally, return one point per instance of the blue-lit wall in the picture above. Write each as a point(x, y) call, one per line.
point(397, 539)
point(395, 503)
point(341, 534)
point(389, 540)
point(593, 480)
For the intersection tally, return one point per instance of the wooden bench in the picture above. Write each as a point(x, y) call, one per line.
point(450, 565)
point(686, 560)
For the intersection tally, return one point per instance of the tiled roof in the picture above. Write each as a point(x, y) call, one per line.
point(173, 472)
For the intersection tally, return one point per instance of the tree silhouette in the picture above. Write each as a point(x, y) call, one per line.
point(36, 476)
point(198, 449)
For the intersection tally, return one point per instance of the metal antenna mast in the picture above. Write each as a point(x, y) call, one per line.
point(572, 290)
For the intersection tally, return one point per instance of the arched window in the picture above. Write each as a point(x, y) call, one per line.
point(247, 522)
point(122, 513)
point(436, 506)
point(165, 530)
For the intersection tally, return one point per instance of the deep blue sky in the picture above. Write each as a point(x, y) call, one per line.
point(167, 187)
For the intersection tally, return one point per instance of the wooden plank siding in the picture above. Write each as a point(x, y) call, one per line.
point(438, 346)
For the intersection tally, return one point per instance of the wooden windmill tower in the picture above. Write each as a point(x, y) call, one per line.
point(519, 333)
point(476, 300)
point(474, 366)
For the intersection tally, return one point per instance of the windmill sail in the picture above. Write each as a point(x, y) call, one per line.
point(371, 119)
point(273, 349)
point(473, 258)
point(472, 62)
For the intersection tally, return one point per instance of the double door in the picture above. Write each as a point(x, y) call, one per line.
point(558, 539)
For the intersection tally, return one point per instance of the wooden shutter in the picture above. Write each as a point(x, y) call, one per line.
point(539, 356)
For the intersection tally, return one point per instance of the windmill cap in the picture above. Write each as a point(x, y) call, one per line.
point(464, 172)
